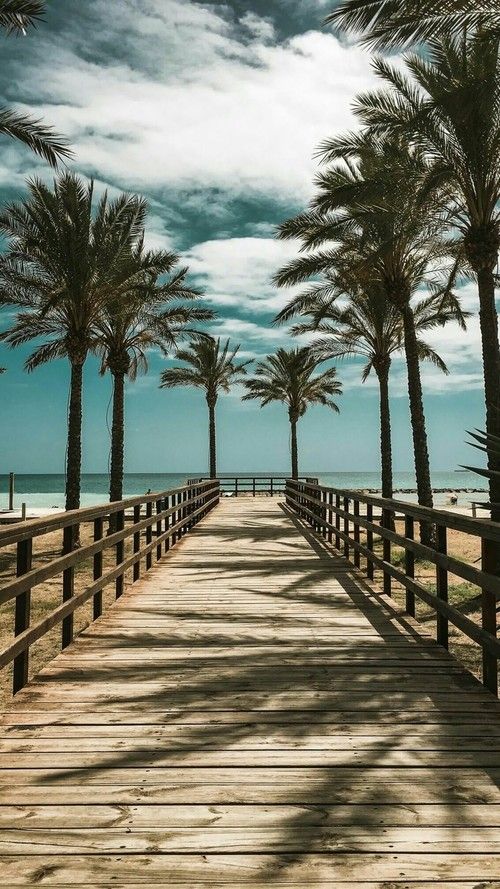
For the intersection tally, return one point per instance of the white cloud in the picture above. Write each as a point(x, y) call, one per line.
point(238, 271)
point(197, 105)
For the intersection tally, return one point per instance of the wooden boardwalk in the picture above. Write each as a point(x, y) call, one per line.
point(251, 714)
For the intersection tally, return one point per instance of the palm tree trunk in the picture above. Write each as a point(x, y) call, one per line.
point(212, 441)
point(488, 320)
point(294, 449)
point(117, 437)
point(385, 434)
point(74, 453)
point(420, 449)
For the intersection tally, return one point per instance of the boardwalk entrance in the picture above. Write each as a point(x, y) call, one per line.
point(251, 713)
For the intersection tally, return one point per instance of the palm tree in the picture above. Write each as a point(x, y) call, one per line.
point(385, 24)
point(62, 268)
point(371, 202)
point(288, 376)
point(451, 108)
point(15, 17)
point(154, 314)
point(212, 368)
point(365, 324)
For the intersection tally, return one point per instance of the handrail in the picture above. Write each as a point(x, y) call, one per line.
point(253, 484)
point(168, 516)
point(329, 511)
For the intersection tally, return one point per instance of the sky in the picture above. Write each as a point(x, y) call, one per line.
point(213, 111)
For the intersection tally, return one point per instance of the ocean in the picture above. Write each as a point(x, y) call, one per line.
point(45, 491)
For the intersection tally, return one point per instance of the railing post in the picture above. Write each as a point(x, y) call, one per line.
point(69, 538)
point(346, 527)
point(159, 505)
point(149, 534)
point(441, 587)
point(357, 554)
point(120, 552)
point(253, 486)
point(98, 535)
point(410, 564)
point(369, 541)
point(137, 543)
point(386, 523)
point(330, 516)
point(22, 614)
point(489, 564)
point(337, 521)
point(167, 522)
point(271, 491)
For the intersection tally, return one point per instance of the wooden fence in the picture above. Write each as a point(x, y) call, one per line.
point(337, 515)
point(152, 523)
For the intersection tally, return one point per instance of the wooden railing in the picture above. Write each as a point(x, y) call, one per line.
point(337, 515)
point(255, 486)
point(150, 525)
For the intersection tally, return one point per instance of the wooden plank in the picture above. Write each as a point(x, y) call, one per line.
point(293, 837)
point(300, 870)
point(218, 817)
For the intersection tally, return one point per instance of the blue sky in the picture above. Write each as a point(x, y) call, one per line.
point(213, 111)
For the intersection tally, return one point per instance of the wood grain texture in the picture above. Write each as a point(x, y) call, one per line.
point(251, 713)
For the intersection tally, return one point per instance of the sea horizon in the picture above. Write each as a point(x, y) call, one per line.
point(46, 490)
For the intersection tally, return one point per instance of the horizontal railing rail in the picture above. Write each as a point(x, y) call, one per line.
point(158, 521)
point(337, 515)
point(253, 485)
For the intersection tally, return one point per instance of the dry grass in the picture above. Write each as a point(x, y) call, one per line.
point(48, 596)
point(464, 596)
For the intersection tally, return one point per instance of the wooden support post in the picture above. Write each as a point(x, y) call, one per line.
point(357, 554)
point(330, 517)
point(69, 538)
point(12, 480)
point(149, 534)
point(369, 542)
point(137, 542)
point(387, 522)
point(490, 558)
point(253, 486)
point(120, 553)
point(98, 535)
point(271, 483)
point(184, 513)
point(337, 521)
point(346, 527)
point(22, 614)
point(159, 504)
point(410, 564)
point(168, 522)
point(442, 587)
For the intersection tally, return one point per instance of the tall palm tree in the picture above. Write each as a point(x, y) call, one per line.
point(396, 23)
point(289, 376)
point(360, 321)
point(450, 106)
point(213, 369)
point(154, 313)
point(371, 200)
point(62, 268)
point(15, 17)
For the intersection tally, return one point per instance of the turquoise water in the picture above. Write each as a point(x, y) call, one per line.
point(48, 490)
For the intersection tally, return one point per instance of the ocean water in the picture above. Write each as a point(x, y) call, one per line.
point(45, 491)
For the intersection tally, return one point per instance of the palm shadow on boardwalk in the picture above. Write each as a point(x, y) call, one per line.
point(289, 683)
